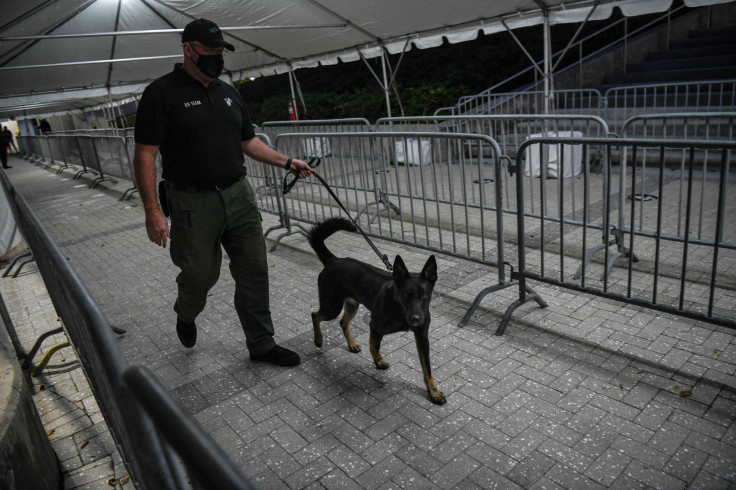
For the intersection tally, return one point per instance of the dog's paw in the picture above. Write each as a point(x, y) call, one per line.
point(318, 342)
point(438, 398)
point(382, 364)
point(354, 348)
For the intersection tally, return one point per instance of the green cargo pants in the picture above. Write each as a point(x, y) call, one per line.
point(204, 222)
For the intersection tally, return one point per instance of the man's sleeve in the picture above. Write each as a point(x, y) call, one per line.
point(151, 118)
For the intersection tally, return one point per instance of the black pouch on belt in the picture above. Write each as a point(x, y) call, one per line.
point(162, 198)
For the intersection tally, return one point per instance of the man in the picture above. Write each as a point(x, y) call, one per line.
point(9, 136)
point(4, 150)
point(202, 128)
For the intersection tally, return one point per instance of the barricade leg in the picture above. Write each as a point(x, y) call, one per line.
point(20, 267)
point(47, 357)
point(479, 297)
point(531, 295)
point(15, 261)
point(128, 194)
point(622, 251)
point(29, 358)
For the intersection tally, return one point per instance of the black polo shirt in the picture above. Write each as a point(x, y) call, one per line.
point(198, 129)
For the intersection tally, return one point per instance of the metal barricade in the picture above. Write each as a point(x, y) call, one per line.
point(710, 126)
point(621, 103)
point(73, 154)
point(681, 249)
point(266, 182)
point(112, 155)
point(31, 148)
point(114, 159)
point(427, 191)
point(45, 151)
point(316, 146)
point(24, 146)
point(58, 157)
point(88, 152)
point(687, 126)
point(509, 131)
point(577, 101)
point(353, 124)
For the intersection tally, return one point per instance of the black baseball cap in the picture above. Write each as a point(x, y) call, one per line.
point(206, 32)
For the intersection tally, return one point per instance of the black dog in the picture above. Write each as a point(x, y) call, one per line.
point(397, 303)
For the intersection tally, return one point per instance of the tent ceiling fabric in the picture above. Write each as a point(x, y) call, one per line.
point(57, 55)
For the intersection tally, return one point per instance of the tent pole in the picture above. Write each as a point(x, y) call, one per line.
point(119, 107)
point(385, 82)
point(111, 111)
point(548, 88)
point(293, 95)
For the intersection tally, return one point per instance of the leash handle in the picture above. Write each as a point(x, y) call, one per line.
point(313, 162)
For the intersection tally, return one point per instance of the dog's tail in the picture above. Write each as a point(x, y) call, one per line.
point(321, 231)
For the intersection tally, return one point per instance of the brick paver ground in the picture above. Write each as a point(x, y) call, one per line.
point(587, 393)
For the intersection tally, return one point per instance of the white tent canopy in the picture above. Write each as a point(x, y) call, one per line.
point(60, 55)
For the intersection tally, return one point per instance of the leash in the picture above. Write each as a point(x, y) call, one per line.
point(314, 163)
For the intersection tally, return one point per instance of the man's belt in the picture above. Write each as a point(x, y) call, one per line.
point(200, 187)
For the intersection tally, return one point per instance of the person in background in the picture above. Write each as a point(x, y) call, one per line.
point(201, 127)
point(9, 137)
point(4, 149)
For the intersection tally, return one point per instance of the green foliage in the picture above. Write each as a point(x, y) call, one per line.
point(425, 99)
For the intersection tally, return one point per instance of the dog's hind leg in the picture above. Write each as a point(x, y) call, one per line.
point(351, 309)
point(423, 349)
point(316, 320)
point(376, 350)
point(330, 304)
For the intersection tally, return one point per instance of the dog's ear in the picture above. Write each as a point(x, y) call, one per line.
point(401, 273)
point(429, 272)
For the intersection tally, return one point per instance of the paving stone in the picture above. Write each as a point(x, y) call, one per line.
point(653, 415)
point(568, 478)
point(455, 471)
point(654, 478)
point(608, 466)
point(529, 471)
point(350, 462)
point(668, 438)
point(420, 460)
point(566, 455)
point(381, 473)
point(524, 444)
point(707, 481)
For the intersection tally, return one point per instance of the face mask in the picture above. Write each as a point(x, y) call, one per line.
point(211, 65)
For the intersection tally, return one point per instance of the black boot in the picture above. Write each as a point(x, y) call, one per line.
point(187, 332)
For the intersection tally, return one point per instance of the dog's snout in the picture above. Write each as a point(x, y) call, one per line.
point(415, 320)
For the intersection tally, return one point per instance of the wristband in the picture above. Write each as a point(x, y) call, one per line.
point(288, 164)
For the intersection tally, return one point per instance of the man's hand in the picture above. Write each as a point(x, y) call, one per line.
point(304, 169)
point(157, 227)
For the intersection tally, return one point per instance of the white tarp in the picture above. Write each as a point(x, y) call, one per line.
point(42, 53)
point(561, 160)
